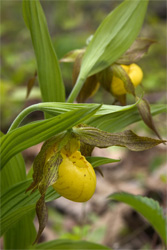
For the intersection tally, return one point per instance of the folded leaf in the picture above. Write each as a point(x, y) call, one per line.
point(148, 207)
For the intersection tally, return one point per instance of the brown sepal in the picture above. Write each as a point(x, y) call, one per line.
point(102, 139)
point(104, 77)
point(90, 86)
point(144, 110)
point(30, 84)
point(136, 51)
point(42, 214)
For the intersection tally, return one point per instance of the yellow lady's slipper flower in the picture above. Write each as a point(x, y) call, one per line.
point(76, 178)
point(135, 74)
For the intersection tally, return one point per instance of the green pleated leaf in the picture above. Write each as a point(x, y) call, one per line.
point(98, 161)
point(22, 234)
point(110, 118)
point(34, 133)
point(50, 79)
point(102, 139)
point(69, 245)
point(113, 37)
point(13, 173)
point(148, 207)
point(15, 204)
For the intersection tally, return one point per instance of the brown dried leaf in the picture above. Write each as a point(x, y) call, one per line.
point(136, 51)
point(72, 55)
point(98, 138)
point(145, 112)
point(30, 84)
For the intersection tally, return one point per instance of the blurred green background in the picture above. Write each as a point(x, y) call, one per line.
point(70, 24)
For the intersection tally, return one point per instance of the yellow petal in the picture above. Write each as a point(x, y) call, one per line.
point(135, 74)
point(77, 179)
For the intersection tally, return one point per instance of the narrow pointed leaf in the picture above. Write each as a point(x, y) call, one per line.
point(34, 133)
point(98, 161)
point(128, 139)
point(148, 207)
point(50, 79)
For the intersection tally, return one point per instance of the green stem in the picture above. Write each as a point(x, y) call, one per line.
point(75, 91)
point(22, 115)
